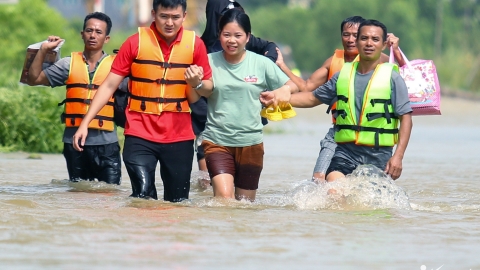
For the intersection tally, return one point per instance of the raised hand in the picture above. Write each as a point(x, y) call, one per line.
point(51, 43)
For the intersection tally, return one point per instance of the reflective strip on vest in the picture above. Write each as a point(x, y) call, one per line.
point(378, 125)
point(157, 85)
point(80, 92)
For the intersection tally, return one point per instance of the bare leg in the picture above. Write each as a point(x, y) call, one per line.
point(334, 176)
point(241, 194)
point(223, 186)
point(202, 166)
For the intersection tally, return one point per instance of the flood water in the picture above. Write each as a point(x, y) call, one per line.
point(427, 219)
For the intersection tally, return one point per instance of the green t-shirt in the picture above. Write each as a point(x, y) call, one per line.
point(233, 117)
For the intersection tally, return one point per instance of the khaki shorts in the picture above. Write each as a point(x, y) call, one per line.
point(245, 164)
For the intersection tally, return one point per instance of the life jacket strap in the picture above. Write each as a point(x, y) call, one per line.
point(83, 85)
point(161, 64)
point(158, 81)
point(334, 100)
point(385, 102)
point(336, 113)
point(373, 116)
point(81, 100)
point(377, 131)
point(65, 117)
point(159, 100)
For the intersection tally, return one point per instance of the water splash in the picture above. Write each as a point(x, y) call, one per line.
point(366, 188)
point(200, 181)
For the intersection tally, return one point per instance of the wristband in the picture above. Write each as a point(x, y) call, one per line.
point(198, 86)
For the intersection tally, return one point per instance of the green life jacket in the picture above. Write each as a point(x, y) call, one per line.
point(378, 125)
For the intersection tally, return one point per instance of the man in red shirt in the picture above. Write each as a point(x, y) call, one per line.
point(158, 123)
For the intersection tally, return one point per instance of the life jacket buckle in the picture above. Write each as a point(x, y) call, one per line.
point(179, 106)
point(100, 123)
point(72, 121)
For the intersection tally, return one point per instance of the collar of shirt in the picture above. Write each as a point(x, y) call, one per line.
point(96, 65)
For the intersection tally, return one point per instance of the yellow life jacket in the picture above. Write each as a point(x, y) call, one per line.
point(81, 90)
point(377, 125)
point(156, 85)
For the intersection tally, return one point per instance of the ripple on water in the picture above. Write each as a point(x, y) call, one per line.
point(21, 203)
point(88, 186)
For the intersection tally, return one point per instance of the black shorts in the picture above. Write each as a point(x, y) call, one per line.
point(100, 162)
point(341, 165)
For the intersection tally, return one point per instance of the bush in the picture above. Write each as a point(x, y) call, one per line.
point(30, 119)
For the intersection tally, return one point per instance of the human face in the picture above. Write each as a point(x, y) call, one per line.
point(168, 21)
point(95, 34)
point(349, 36)
point(233, 39)
point(370, 43)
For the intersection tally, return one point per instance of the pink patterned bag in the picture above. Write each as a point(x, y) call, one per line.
point(422, 83)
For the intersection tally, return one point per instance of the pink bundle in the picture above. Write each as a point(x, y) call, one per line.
point(422, 83)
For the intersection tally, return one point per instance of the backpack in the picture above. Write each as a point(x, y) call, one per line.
point(120, 103)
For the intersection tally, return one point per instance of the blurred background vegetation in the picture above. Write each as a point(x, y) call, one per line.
point(445, 31)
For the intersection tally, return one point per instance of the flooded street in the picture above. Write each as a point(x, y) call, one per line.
point(429, 217)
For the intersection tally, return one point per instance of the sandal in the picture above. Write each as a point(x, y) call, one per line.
point(272, 114)
point(288, 112)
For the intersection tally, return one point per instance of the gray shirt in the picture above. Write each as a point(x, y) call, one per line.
point(401, 105)
point(57, 75)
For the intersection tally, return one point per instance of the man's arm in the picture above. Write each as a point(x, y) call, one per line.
point(36, 76)
point(394, 165)
point(304, 100)
point(262, 47)
point(103, 94)
point(318, 78)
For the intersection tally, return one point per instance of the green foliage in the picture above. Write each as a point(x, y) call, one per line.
point(28, 22)
point(30, 119)
point(29, 116)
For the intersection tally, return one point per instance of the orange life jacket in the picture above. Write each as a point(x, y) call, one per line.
point(156, 85)
point(81, 90)
point(335, 66)
point(337, 63)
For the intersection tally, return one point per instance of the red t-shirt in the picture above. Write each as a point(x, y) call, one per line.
point(168, 127)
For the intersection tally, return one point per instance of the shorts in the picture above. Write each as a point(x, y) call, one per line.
point(245, 164)
point(100, 162)
point(341, 165)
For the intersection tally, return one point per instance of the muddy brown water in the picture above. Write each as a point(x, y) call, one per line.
point(428, 218)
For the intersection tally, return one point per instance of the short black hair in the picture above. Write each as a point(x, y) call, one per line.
point(373, 23)
point(99, 16)
point(351, 21)
point(169, 4)
point(238, 16)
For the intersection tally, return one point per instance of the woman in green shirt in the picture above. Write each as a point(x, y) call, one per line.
point(233, 137)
